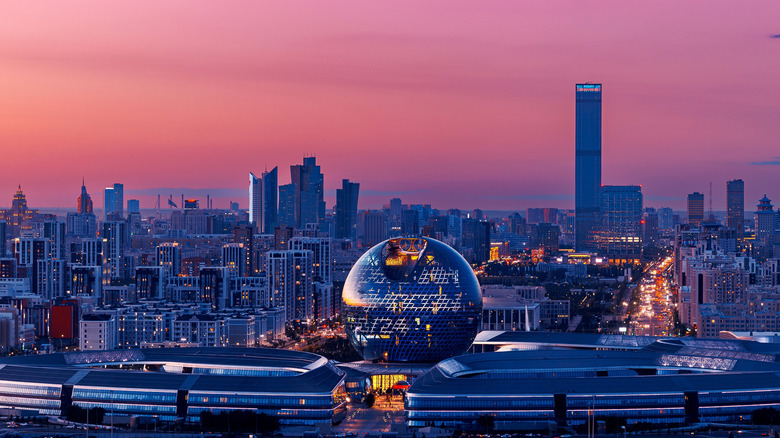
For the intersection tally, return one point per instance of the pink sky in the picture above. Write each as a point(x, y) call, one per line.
point(457, 104)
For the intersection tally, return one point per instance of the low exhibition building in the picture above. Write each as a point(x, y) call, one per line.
point(177, 383)
point(567, 378)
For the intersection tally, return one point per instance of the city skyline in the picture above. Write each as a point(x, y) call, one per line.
point(83, 97)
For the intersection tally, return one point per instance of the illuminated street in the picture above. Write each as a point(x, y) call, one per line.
point(653, 307)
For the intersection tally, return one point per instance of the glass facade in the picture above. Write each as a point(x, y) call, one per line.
point(411, 300)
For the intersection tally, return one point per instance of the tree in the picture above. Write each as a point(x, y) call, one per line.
point(487, 422)
point(766, 416)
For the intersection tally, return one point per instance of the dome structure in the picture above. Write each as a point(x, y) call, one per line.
point(411, 299)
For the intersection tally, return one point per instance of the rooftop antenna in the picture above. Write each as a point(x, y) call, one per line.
point(711, 217)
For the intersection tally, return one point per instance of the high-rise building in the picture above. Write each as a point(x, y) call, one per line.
point(476, 236)
point(245, 235)
point(346, 210)
point(620, 235)
point(115, 243)
point(695, 208)
point(18, 218)
point(320, 248)
point(374, 227)
point(263, 193)
point(84, 203)
point(3, 239)
point(735, 206)
point(587, 173)
point(765, 219)
point(665, 219)
point(234, 256)
point(28, 251)
point(169, 257)
point(282, 236)
point(114, 203)
point(83, 223)
point(288, 205)
point(410, 222)
point(310, 191)
point(290, 283)
point(133, 206)
point(55, 232)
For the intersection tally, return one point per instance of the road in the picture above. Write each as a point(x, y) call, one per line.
point(653, 313)
point(378, 418)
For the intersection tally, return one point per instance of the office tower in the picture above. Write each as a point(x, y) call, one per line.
point(346, 210)
point(270, 201)
point(321, 259)
point(233, 255)
point(263, 200)
point(665, 219)
point(410, 222)
point(587, 172)
point(650, 227)
point(309, 183)
point(695, 208)
point(169, 257)
point(115, 243)
point(290, 283)
point(84, 203)
point(476, 236)
point(534, 215)
point(546, 236)
point(395, 208)
point(620, 237)
point(114, 203)
point(288, 205)
point(735, 206)
point(374, 227)
point(18, 218)
point(133, 206)
point(765, 220)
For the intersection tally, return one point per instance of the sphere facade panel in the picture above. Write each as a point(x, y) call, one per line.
point(411, 300)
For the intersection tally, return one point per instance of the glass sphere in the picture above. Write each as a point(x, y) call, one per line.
point(411, 299)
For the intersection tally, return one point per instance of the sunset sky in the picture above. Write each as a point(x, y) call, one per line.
point(454, 103)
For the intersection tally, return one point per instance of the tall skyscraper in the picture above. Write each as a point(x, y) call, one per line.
point(84, 201)
point(735, 206)
point(765, 220)
point(620, 235)
point(288, 205)
point(310, 192)
point(263, 200)
point(695, 208)
point(114, 203)
point(346, 210)
point(587, 173)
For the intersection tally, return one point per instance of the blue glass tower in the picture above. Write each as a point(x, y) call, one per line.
point(411, 300)
point(587, 172)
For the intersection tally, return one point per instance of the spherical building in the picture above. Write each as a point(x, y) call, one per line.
point(411, 299)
